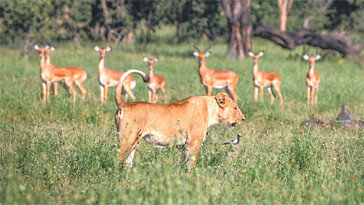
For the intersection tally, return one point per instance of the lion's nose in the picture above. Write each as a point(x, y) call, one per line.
point(242, 119)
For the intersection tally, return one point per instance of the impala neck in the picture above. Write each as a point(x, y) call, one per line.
point(48, 60)
point(151, 73)
point(202, 67)
point(312, 69)
point(255, 68)
point(102, 64)
point(42, 63)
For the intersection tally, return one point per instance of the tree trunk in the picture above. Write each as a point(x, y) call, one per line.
point(240, 27)
point(284, 8)
point(129, 37)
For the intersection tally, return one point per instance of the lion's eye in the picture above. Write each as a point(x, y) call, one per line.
point(236, 108)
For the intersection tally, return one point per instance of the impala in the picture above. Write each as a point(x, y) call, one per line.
point(48, 62)
point(215, 78)
point(265, 79)
point(109, 78)
point(70, 75)
point(312, 78)
point(155, 82)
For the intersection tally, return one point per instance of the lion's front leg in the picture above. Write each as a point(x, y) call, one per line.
point(128, 141)
point(193, 149)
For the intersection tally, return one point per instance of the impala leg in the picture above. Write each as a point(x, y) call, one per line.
point(129, 92)
point(312, 95)
point(69, 83)
point(278, 89)
point(149, 96)
point(102, 93)
point(105, 92)
point(271, 95)
point(83, 90)
point(193, 150)
point(126, 96)
point(256, 90)
point(233, 93)
point(308, 94)
point(209, 90)
point(316, 94)
point(48, 89)
point(55, 89)
point(164, 93)
point(156, 96)
point(44, 86)
point(261, 88)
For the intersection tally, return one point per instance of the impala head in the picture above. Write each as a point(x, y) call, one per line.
point(311, 58)
point(102, 51)
point(199, 54)
point(48, 50)
point(150, 61)
point(229, 112)
point(40, 50)
point(256, 56)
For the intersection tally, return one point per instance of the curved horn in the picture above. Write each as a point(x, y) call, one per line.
point(194, 45)
point(208, 47)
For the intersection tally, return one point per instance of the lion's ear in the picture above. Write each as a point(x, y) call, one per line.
point(222, 99)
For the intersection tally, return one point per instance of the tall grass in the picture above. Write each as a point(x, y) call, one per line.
point(67, 153)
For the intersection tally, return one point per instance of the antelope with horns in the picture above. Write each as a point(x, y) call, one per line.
point(265, 79)
point(312, 78)
point(215, 78)
point(155, 82)
point(110, 78)
point(51, 74)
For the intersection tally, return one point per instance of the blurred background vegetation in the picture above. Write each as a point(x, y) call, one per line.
point(24, 22)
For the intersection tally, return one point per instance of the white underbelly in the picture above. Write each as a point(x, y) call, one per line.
point(218, 86)
point(132, 84)
point(257, 84)
point(160, 141)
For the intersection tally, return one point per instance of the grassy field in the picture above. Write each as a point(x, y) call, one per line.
point(67, 153)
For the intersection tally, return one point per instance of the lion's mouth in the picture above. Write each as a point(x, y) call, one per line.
point(232, 125)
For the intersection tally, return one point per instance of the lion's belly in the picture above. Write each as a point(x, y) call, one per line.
point(158, 139)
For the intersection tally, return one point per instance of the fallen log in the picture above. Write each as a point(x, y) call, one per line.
point(340, 42)
point(344, 119)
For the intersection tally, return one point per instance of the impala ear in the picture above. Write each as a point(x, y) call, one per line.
point(155, 59)
point(207, 54)
point(306, 57)
point(196, 54)
point(261, 53)
point(108, 49)
point(36, 47)
point(251, 54)
point(97, 48)
point(317, 57)
point(145, 59)
point(52, 49)
point(222, 99)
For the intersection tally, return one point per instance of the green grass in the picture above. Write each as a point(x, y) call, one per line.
point(67, 153)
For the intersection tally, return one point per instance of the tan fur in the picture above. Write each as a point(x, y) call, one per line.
point(265, 79)
point(109, 78)
point(312, 81)
point(155, 83)
point(181, 123)
point(217, 78)
point(51, 74)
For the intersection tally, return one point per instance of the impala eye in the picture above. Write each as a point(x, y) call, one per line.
point(236, 108)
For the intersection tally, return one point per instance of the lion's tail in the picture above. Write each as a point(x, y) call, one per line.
point(119, 101)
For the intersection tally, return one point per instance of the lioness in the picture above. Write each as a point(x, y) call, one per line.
point(181, 123)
